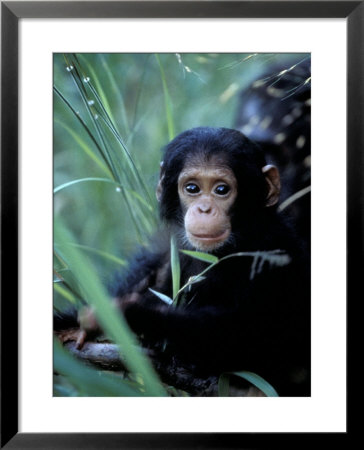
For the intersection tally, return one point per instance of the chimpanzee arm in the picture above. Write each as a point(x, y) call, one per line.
point(256, 332)
point(207, 335)
point(143, 272)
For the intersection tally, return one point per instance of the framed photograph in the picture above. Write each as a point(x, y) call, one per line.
point(221, 118)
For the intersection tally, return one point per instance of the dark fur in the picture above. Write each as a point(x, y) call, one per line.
point(285, 101)
point(230, 322)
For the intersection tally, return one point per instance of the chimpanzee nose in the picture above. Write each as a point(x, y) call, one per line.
point(204, 208)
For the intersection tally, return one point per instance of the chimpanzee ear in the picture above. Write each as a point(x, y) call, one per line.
point(274, 184)
point(159, 186)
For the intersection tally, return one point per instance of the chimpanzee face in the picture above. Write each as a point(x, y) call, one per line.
point(207, 177)
point(207, 192)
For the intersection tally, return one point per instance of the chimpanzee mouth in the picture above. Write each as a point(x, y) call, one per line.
point(216, 237)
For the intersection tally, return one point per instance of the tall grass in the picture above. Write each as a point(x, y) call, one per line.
point(112, 114)
point(103, 143)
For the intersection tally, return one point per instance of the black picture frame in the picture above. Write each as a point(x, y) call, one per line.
point(11, 12)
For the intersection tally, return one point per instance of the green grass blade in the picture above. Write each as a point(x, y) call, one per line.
point(109, 122)
point(259, 382)
point(91, 77)
point(85, 147)
point(98, 91)
point(82, 180)
point(141, 200)
point(163, 297)
point(65, 293)
point(253, 378)
point(118, 93)
point(167, 101)
point(206, 257)
point(87, 129)
point(131, 164)
point(132, 214)
point(78, 81)
point(132, 211)
point(110, 319)
point(122, 168)
point(274, 257)
point(175, 267)
point(105, 255)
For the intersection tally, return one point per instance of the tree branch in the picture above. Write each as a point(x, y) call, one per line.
point(106, 356)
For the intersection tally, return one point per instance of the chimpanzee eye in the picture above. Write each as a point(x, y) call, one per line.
point(222, 189)
point(192, 188)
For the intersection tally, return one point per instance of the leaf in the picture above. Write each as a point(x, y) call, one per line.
point(175, 267)
point(65, 293)
point(89, 132)
point(259, 382)
point(206, 257)
point(196, 279)
point(85, 147)
point(163, 297)
point(82, 180)
point(253, 378)
point(167, 101)
point(105, 255)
